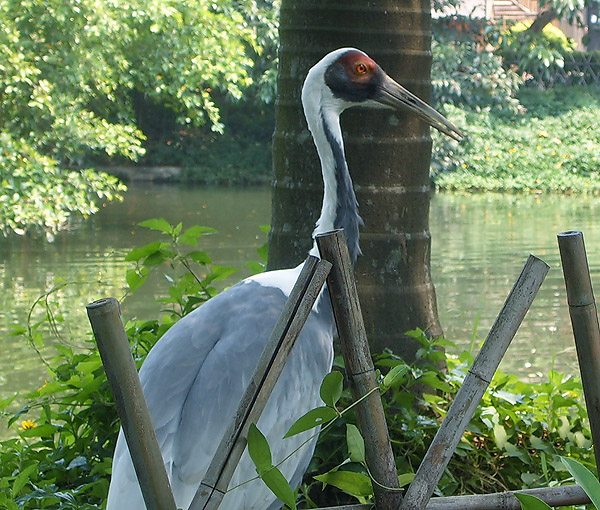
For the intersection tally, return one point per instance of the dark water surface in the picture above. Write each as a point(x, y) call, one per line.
point(480, 243)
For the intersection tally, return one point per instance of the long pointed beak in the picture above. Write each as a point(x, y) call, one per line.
point(395, 95)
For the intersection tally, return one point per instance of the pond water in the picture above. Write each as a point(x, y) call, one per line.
point(480, 243)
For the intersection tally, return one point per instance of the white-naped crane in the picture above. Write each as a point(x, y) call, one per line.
point(195, 375)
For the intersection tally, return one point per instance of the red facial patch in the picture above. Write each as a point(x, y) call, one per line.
point(357, 64)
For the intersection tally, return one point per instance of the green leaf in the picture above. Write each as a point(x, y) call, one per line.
point(313, 418)
point(394, 376)
point(156, 258)
point(78, 461)
point(22, 478)
point(263, 252)
point(17, 330)
point(7, 503)
point(259, 450)
point(191, 235)
point(220, 273)
point(356, 444)
point(529, 502)
point(159, 224)
point(255, 267)
point(201, 257)
point(584, 477)
point(5, 402)
point(139, 253)
point(134, 279)
point(405, 478)
point(331, 388)
point(279, 486)
point(45, 430)
point(355, 484)
point(49, 388)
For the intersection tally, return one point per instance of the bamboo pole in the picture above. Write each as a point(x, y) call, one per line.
point(552, 496)
point(105, 318)
point(584, 319)
point(295, 312)
point(360, 369)
point(476, 382)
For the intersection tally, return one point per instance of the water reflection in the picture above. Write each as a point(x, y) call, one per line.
point(480, 243)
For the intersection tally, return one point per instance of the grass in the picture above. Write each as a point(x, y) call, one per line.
point(553, 145)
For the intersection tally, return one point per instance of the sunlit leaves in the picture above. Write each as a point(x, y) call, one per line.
point(554, 146)
point(192, 288)
point(258, 449)
point(260, 453)
point(68, 73)
point(35, 191)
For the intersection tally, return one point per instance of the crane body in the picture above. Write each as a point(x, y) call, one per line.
point(195, 375)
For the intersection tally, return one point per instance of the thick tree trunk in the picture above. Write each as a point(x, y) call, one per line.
point(542, 19)
point(388, 156)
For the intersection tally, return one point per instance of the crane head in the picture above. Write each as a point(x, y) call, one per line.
point(348, 77)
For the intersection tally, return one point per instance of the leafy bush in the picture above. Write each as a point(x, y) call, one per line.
point(535, 53)
point(582, 476)
point(35, 191)
point(555, 146)
point(66, 430)
point(514, 441)
point(241, 155)
point(70, 74)
point(467, 76)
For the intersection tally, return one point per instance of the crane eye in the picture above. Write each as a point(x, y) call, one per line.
point(361, 68)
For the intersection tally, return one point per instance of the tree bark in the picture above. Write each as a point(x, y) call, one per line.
point(388, 156)
point(542, 19)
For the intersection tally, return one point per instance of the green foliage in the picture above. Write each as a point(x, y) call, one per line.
point(513, 442)
point(35, 191)
point(571, 10)
point(65, 431)
point(189, 288)
point(529, 502)
point(554, 146)
point(535, 53)
point(466, 76)
point(241, 155)
point(582, 475)
point(260, 453)
point(70, 75)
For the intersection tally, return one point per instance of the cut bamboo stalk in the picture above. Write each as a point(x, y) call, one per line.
point(105, 318)
point(360, 369)
point(584, 320)
point(552, 496)
point(476, 382)
point(295, 312)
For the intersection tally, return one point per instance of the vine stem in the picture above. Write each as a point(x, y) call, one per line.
point(322, 430)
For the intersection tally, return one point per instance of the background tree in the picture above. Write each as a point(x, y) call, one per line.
point(69, 77)
point(388, 155)
point(549, 10)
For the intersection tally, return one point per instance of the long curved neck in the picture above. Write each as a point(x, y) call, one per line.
point(340, 207)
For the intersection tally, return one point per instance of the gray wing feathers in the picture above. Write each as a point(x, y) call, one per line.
point(193, 380)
